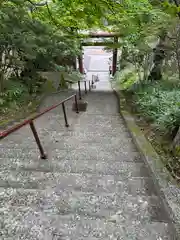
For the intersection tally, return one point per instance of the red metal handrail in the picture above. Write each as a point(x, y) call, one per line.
point(85, 87)
point(32, 126)
point(31, 123)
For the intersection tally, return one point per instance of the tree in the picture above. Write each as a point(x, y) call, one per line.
point(28, 44)
point(141, 24)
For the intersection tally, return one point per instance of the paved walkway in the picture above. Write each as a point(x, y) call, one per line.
point(94, 184)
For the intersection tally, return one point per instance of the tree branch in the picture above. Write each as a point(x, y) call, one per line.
point(50, 14)
point(44, 4)
point(177, 5)
point(37, 4)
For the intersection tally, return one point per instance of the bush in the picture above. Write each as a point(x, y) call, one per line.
point(126, 78)
point(62, 83)
point(48, 86)
point(16, 94)
point(14, 90)
point(160, 104)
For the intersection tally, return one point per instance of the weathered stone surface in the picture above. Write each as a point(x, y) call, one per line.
point(94, 184)
point(166, 186)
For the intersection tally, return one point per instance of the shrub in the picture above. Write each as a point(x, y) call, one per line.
point(126, 78)
point(160, 104)
point(62, 82)
point(48, 86)
point(14, 95)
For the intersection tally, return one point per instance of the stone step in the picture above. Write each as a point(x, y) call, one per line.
point(102, 103)
point(124, 169)
point(79, 215)
point(94, 184)
point(99, 118)
point(48, 120)
point(56, 123)
point(77, 130)
point(87, 143)
point(77, 182)
point(55, 98)
point(102, 93)
point(82, 119)
point(19, 144)
point(105, 96)
point(93, 98)
point(77, 127)
point(98, 153)
point(72, 149)
point(98, 109)
point(77, 139)
point(80, 123)
point(44, 126)
point(115, 207)
point(107, 99)
point(32, 154)
point(84, 228)
point(72, 139)
point(56, 148)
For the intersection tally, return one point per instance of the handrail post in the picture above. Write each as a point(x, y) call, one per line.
point(85, 87)
point(79, 90)
point(76, 103)
point(92, 80)
point(43, 155)
point(65, 116)
point(89, 86)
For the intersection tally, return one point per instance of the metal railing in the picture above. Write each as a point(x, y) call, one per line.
point(95, 78)
point(29, 121)
point(85, 87)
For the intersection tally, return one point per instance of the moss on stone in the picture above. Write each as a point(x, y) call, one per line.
point(146, 147)
point(177, 151)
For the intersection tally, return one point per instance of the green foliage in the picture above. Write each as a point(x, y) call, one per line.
point(62, 82)
point(14, 94)
point(126, 78)
point(160, 104)
point(141, 24)
point(48, 87)
point(73, 15)
point(38, 37)
point(72, 76)
point(29, 44)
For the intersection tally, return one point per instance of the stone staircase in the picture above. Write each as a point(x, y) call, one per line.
point(94, 184)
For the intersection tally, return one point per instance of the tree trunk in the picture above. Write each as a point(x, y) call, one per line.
point(159, 56)
point(1, 82)
point(123, 59)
